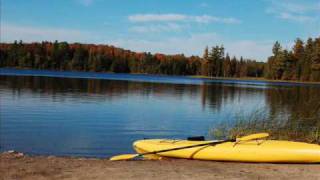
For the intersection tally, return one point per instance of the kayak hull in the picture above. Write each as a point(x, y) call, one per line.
point(270, 151)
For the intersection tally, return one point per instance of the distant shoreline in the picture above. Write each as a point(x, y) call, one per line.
point(257, 80)
point(234, 80)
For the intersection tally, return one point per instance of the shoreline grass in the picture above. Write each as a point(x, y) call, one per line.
point(281, 127)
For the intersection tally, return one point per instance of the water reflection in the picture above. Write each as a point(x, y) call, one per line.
point(92, 117)
point(299, 103)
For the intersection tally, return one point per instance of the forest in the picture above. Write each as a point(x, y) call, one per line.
point(301, 63)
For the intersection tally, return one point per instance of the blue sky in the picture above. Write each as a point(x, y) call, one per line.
point(244, 27)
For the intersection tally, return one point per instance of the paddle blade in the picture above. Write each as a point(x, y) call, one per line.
point(253, 137)
point(123, 157)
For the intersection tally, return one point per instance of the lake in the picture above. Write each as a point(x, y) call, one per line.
point(100, 115)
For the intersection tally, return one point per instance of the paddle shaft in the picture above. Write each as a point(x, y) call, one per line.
point(186, 147)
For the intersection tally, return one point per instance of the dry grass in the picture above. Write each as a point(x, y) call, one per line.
point(283, 127)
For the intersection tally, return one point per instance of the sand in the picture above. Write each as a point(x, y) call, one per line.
point(18, 166)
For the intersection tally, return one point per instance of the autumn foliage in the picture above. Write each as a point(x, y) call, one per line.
point(302, 63)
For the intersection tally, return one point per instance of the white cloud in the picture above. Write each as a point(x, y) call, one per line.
point(190, 45)
point(294, 11)
point(295, 17)
point(195, 44)
point(156, 28)
point(10, 32)
point(156, 17)
point(211, 19)
point(140, 18)
point(259, 50)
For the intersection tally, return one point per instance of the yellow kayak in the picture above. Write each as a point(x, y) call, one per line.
point(271, 151)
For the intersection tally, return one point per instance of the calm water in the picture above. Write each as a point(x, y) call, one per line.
point(99, 115)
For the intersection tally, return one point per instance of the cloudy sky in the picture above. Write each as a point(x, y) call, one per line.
point(244, 27)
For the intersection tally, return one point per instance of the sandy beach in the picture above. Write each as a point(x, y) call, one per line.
point(20, 166)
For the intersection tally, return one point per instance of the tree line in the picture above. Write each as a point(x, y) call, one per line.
point(301, 63)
